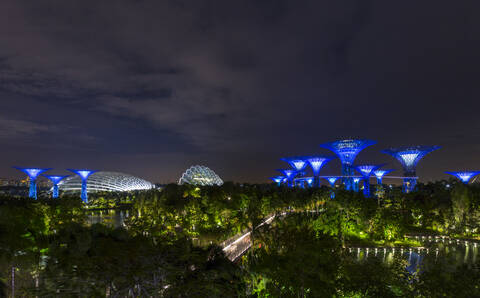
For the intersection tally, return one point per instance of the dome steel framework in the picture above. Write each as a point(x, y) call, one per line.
point(105, 181)
point(200, 175)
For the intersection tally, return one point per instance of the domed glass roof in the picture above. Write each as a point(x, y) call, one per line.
point(105, 181)
point(200, 175)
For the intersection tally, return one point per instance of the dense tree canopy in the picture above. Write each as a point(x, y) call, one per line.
point(168, 242)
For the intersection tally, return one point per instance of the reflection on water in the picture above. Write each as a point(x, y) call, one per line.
point(111, 217)
point(453, 251)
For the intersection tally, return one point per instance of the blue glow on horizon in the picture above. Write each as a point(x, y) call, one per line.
point(465, 176)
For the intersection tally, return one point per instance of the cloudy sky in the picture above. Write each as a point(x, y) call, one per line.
point(152, 87)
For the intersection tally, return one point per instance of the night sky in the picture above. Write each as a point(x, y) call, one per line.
point(152, 87)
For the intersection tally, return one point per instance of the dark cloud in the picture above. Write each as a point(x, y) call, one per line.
point(150, 87)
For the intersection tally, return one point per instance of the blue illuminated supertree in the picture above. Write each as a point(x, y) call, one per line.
point(316, 163)
point(409, 157)
point(278, 179)
point(299, 182)
point(465, 176)
point(289, 175)
point(366, 171)
point(33, 174)
point(356, 184)
point(380, 173)
point(84, 174)
point(298, 163)
point(332, 180)
point(309, 181)
point(55, 180)
point(347, 151)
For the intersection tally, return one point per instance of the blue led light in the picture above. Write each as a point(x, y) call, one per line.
point(380, 173)
point(55, 180)
point(309, 181)
point(356, 182)
point(84, 174)
point(289, 175)
point(409, 158)
point(332, 181)
point(347, 151)
point(298, 163)
point(465, 176)
point(317, 162)
point(366, 171)
point(278, 179)
point(33, 174)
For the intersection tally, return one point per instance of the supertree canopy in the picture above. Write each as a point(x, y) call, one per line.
point(380, 173)
point(356, 182)
point(298, 162)
point(289, 175)
point(309, 181)
point(278, 179)
point(55, 180)
point(465, 176)
point(409, 157)
point(332, 180)
point(84, 174)
point(316, 163)
point(33, 174)
point(347, 151)
point(366, 171)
